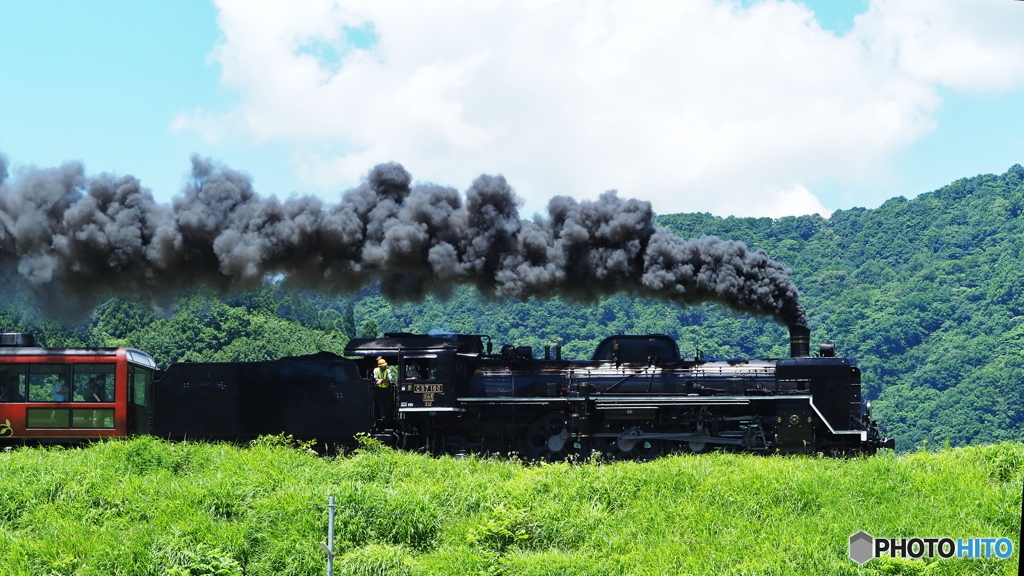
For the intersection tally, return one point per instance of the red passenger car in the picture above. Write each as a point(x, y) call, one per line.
point(68, 394)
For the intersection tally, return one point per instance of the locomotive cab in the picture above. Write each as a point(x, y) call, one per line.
point(421, 380)
point(426, 370)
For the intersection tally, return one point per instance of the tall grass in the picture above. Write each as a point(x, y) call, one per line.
point(143, 506)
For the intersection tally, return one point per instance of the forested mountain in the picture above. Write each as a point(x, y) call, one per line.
point(924, 295)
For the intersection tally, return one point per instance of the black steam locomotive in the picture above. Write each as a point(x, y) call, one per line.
point(635, 398)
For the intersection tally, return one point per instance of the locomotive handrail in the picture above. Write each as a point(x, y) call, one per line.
point(655, 401)
point(642, 370)
point(863, 433)
point(522, 399)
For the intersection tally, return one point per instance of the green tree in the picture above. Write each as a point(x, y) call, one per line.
point(369, 329)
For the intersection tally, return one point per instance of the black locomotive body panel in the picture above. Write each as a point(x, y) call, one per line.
point(318, 397)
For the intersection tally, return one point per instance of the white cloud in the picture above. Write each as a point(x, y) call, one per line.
point(697, 106)
point(211, 127)
point(972, 46)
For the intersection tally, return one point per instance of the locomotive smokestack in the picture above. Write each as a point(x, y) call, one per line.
point(799, 341)
point(78, 240)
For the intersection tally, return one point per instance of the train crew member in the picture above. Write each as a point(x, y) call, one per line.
point(380, 373)
point(412, 371)
point(384, 395)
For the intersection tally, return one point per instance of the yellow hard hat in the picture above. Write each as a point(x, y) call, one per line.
point(381, 361)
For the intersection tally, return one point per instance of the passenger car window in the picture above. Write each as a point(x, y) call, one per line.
point(93, 383)
point(49, 382)
point(138, 384)
point(12, 383)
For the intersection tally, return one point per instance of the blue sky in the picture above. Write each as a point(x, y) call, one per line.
point(747, 108)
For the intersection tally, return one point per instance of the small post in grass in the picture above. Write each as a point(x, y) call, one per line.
point(329, 545)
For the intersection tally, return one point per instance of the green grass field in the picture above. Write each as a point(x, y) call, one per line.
point(145, 506)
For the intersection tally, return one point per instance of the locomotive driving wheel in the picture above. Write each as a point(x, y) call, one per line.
point(646, 449)
point(699, 446)
point(606, 444)
point(548, 438)
point(629, 442)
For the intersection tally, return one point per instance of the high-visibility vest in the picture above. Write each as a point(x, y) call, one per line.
point(380, 376)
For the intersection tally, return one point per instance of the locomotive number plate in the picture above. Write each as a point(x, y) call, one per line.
point(425, 388)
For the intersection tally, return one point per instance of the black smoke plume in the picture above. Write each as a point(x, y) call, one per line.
point(78, 240)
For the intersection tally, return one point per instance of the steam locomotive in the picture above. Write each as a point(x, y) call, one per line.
point(636, 398)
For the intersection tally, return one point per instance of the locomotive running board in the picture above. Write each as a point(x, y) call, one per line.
point(604, 403)
point(532, 400)
point(672, 437)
